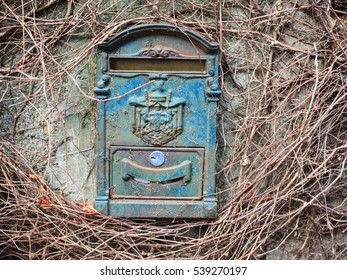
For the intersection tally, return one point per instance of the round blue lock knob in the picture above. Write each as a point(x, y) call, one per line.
point(157, 158)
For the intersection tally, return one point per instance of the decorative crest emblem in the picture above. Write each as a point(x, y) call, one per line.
point(157, 116)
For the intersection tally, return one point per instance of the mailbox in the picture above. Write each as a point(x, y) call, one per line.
point(156, 124)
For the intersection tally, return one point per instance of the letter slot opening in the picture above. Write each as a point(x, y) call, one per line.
point(135, 64)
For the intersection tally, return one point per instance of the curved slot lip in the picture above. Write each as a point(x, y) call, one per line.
point(147, 175)
point(165, 182)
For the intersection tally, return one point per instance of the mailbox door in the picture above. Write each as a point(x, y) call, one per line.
point(134, 174)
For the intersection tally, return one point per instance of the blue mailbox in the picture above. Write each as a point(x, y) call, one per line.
point(156, 124)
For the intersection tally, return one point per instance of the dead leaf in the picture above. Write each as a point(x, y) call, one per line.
point(249, 193)
point(245, 161)
point(44, 203)
point(264, 197)
point(88, 208)
point(43, 188)
point(33, 177)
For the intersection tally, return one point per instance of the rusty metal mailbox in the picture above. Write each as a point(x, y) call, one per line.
point(156, 123)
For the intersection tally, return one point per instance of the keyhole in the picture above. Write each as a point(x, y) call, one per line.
point(157, 158)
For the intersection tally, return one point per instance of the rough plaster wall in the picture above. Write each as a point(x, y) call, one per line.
point(247, 84)
point(67, 135)
point(58, 124)
point(73, 158)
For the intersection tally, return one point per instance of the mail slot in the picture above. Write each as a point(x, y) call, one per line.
point(156, 124)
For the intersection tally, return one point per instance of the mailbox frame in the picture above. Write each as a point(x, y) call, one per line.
point(208, 56)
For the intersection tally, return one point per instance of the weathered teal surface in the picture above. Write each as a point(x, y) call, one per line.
point(158, 88)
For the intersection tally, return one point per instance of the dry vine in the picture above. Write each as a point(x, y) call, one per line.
point(290, 147)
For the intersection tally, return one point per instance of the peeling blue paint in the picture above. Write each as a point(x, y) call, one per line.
point(157, 91)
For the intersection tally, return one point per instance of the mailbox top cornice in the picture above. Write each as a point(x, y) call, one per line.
point(159, 29)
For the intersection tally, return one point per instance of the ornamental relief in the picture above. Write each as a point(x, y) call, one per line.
point(157, 116)
point(159, 52)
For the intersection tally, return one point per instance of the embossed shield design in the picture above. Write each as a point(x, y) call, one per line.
point(157, 116)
